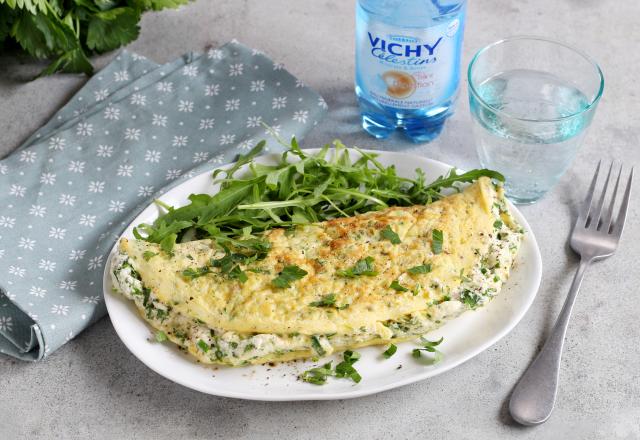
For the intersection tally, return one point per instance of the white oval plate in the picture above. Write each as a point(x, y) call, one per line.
point(464, 337)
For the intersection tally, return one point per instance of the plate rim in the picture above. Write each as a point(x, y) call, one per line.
point(339, 395)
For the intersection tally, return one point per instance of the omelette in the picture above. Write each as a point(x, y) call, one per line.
point(376, 278)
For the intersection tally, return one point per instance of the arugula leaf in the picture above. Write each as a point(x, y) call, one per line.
point(436, 241)
point(417, 270)
point(390, 351)
point(362, 267)
point(395, 285)
point(300, 189)
point(388, 234)
point(288, 275)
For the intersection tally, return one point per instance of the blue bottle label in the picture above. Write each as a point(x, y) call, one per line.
point(408, 68)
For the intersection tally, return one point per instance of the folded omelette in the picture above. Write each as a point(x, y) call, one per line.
point(375, 278)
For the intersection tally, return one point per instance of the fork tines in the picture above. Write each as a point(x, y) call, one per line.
point(595, 215)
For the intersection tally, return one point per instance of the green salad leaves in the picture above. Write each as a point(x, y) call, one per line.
point(300, 188)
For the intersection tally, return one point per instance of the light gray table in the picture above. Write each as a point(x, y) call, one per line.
point(94, 388)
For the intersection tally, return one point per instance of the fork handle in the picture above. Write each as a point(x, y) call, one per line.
point(533, 398)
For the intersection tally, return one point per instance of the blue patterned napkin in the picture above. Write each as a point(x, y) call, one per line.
point(134, 130)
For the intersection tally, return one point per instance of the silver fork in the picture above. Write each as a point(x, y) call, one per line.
point(595, 236)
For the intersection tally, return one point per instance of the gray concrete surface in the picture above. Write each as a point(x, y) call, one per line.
point(93, 388)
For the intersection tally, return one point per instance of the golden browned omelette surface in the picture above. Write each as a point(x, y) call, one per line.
point(451, 255)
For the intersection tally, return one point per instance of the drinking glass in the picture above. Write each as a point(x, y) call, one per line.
point(531, 101)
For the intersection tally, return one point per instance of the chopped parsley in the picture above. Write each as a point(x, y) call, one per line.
point(390, 351)
point(161, 336)
point(362, 267)
point(395, 285)
point(429, 347)
point(147, 255)
point(288, 275)
point(497, 224)
point(423, 268)
point(249, 347)
point(318, 375)
point(203, 345)
point(436, 241)
point(471, 299)
point(326, 301)
point(388, 234)
point(345, 369)
point(315, 343)
point(191, 273)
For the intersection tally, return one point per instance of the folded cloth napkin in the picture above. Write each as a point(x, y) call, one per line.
point(134, 130)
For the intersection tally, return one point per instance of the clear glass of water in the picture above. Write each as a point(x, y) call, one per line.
point(531, 102)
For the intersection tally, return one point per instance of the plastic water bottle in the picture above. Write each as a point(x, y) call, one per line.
point(408, 64)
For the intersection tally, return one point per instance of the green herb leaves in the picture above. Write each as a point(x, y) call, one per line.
point(147, 255)
point(429, 347)
point(417, 270)
point(362, 267)
point(395, 285)
point(471, 299)
point(345, 369)
point(497, 224)
point(161, 336)
point(388, 234)
point(301, 188)
point(288, 275)
point(436, 241)
point(326, 301)
point(390, 351)
point(68, 32)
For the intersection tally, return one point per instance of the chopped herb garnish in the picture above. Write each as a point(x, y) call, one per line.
point(326, 301)
point(345, 369)
point(237, 274)
point(390, 351)
point(191, 273)
point(362, 267)
point(249, 347)
point(288, 275)
point(497, 224)
point(496, 279)
point(395, 285)
point(436, 242)
point(388, 234)
point(318, 375)
point(161, 336)
point(423, 268)
point(147, 255)
point(470, 298)
point(315, 343)
point(203, 345)
point(430, 347)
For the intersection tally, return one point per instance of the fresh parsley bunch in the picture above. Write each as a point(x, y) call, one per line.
point(68, 31)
